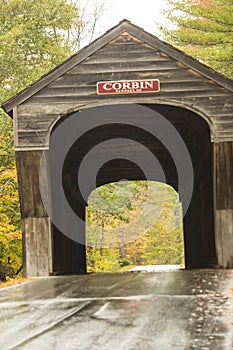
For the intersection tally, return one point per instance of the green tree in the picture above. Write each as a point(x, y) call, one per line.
point(33, 39)
point(203, 29)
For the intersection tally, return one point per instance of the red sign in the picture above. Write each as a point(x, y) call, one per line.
point(128, 87)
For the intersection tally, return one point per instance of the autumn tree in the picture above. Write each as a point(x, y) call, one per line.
point(162, 242)
point(35, 36)
point(32, 41)
point(203, 29)
point(109, 207)
point(126, 218)
point(10, 234)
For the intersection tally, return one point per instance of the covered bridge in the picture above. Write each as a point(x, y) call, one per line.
point(126, 85)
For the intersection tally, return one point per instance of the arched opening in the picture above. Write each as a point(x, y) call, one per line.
point(134, 223)
point(127, 138)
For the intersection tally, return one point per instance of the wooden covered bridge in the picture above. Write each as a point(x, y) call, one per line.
point(119, 87)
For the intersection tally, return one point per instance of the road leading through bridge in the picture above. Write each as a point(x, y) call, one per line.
point(170, 310)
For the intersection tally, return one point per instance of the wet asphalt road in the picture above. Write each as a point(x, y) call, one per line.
point(172, 310)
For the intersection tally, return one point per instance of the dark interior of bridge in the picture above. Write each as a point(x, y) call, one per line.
point(70, 256)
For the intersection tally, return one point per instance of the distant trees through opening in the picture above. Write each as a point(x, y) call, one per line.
point(131, 223)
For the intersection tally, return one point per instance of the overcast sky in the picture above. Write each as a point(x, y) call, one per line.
point(143, 13)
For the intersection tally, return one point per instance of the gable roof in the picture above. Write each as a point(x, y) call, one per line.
point(122, 27)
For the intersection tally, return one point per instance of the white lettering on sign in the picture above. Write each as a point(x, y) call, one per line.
point(128, 86)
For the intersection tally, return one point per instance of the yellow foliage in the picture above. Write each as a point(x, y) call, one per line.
point(10, 233)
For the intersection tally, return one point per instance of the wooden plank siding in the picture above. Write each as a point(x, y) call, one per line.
point(28, 165)
point(38, 246)
point(224, 175)
point(224, 202)
point(124, 58)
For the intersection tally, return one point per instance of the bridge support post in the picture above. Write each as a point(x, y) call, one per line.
point(37, 246)
point(46, 251)
point(223, 167)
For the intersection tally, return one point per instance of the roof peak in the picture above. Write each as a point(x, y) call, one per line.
point(123, 26)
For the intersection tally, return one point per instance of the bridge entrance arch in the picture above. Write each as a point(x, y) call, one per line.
point(134, 127)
